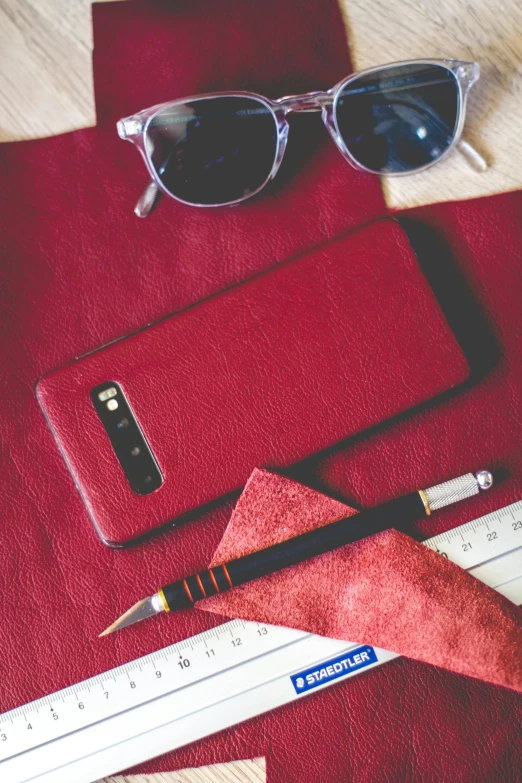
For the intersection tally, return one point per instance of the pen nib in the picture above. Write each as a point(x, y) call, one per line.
point(147, 607)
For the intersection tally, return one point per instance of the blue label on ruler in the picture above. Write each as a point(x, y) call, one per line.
point(333, 668)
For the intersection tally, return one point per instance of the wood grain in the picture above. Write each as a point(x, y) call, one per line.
point(45, 67)
point(381, 31)
point(247, 771)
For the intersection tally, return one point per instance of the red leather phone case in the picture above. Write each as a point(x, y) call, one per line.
point(285, 355)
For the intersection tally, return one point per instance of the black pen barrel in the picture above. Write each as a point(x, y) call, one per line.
point(396, 513)
point(316, 542)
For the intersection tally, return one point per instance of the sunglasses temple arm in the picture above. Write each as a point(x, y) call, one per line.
point(472, 156)
point(147, 200)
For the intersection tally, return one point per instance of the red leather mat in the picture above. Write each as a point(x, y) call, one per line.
point(79, 269)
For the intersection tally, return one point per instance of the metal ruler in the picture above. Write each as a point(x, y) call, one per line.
point(216, 679)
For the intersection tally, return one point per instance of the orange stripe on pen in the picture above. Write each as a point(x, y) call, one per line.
point(185, 585)
point(214, 580)
point(229, 580)
point(200, 584)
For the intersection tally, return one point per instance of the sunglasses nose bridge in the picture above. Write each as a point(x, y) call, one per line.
point(312, 101)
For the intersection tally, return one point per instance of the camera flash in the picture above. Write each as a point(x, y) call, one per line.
point(106, 394)
point(112, 405)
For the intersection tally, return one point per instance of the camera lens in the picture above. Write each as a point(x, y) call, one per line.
point(122, 424)
point(135, 451)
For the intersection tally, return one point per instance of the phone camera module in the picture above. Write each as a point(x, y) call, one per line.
point(127, 439)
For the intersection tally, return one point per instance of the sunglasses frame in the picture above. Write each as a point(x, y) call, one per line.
point(135, 127)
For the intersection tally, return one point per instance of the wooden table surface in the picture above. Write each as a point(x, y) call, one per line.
point(248, 771)
point(46, 87)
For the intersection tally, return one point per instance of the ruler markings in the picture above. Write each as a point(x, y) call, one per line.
point(494, 557)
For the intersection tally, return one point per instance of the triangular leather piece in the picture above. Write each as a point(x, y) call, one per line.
point(386, 590)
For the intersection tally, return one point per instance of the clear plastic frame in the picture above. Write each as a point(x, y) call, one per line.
point(135, 128)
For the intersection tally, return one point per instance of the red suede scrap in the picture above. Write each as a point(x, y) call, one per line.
point(386, 590)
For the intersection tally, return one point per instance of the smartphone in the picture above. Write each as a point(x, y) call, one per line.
point(265, 374)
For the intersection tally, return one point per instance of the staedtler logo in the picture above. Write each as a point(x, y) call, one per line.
point(329, 670)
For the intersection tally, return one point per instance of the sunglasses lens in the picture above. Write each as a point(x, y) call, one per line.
point(213, 150)
point(399, 119)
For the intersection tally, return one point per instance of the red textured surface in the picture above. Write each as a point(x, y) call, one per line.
point(357, 314)
point(387, 590)
point(79, 269)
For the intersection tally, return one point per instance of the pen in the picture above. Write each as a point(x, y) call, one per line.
point(220, 578)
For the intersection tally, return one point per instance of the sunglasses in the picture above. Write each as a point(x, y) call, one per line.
point(223, 148)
